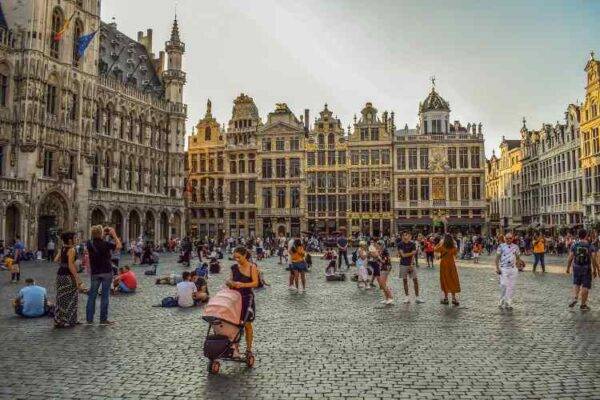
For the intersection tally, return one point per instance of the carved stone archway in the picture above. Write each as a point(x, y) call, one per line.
point(53, 217)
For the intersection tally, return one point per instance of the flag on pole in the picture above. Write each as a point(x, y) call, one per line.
point(58, 35)
point(83, 42)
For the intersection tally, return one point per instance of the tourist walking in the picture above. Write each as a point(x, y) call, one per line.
point(407, 251)
point(539, 249)
point(507, 257)
point(101, 272)
point(582, 258)
point(376, 262)
point(244, 278)
point(68, 284)
point(449, 282)
point(298, 264)
point(50, 247)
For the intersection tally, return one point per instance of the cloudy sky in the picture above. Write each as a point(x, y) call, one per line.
point(494, 61)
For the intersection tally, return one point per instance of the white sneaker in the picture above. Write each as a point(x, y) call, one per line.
point(299, 290)
point(292, 288)
point(384, 301)
point(509, 305)
point(406, 300)
point(389, 301)
point(419, 301)
point(501, 303)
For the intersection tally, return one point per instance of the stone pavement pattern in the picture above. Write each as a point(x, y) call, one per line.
point(333, 342)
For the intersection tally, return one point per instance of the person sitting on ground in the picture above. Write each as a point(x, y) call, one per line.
point(186, 291)
point(126, 281)
point(32, 301)
point(202, 287)
point(172, 279)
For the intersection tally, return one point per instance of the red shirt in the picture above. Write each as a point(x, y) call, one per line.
point(129, 279)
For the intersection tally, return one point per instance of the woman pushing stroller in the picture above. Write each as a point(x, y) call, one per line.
point(244, 278)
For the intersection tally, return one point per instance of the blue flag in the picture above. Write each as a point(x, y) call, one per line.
point(83, 42)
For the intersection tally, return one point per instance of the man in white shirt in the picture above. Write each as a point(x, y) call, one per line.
point(507, 257)
point(186, 291)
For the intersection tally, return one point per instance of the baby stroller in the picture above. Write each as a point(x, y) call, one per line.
point(223, 316)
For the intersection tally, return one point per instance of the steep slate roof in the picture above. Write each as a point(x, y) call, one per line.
point(512, 143)
point(130, 61)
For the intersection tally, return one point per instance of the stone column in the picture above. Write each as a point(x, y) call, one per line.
point(126, 228)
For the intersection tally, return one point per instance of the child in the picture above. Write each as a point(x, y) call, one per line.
point(13, 268)
point(361, 265)
point(330, 270)
point(477, 248)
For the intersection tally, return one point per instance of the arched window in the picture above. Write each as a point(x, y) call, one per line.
point(58, 20)
point(207, 133)
point(321, 139)
point(331, 139)
point(107, 171)
point(77, 33)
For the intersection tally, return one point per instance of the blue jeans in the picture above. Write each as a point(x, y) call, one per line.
point(101, 279)
point(539, 258)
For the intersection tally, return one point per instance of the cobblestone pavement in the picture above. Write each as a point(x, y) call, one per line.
point(333, 342)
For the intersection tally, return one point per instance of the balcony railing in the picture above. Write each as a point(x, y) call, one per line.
point(13, 185)
point(280, 212)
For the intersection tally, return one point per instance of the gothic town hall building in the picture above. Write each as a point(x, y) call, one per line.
point(92, 137)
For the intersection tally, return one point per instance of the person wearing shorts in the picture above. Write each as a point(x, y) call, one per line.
point(298, 264)
point(407, 250)
point(582, 257)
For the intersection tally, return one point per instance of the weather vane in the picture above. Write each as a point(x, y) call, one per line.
point(433, 81)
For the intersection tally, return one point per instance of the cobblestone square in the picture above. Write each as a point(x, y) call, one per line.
point(332, 342)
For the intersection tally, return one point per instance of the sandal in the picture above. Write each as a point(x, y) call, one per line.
point(455, 303)
point(444, 301)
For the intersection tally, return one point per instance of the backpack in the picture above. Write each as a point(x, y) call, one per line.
point(582, 255)
point(169, 302)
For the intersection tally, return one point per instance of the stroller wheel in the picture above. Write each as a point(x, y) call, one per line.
point(250, 359)
point(214, 367)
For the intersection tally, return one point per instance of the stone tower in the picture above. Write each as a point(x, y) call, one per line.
point(174, 77)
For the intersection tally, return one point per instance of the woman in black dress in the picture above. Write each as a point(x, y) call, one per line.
point(68, 284)
point(244, 278)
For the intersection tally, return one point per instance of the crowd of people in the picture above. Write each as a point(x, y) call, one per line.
point(368, 261)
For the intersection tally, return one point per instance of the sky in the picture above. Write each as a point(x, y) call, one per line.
point(495, 62)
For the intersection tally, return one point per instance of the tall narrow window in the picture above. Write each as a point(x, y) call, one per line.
point(51, 99)
point(77, 33)
point(48, 163)
point(107, 171)
point(3, 89)
point(95, 171)
point(57, 24)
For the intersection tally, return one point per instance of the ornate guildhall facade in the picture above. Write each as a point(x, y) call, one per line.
point(286, 177)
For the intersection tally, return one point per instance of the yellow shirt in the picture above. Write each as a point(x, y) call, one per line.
point(539, 246)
